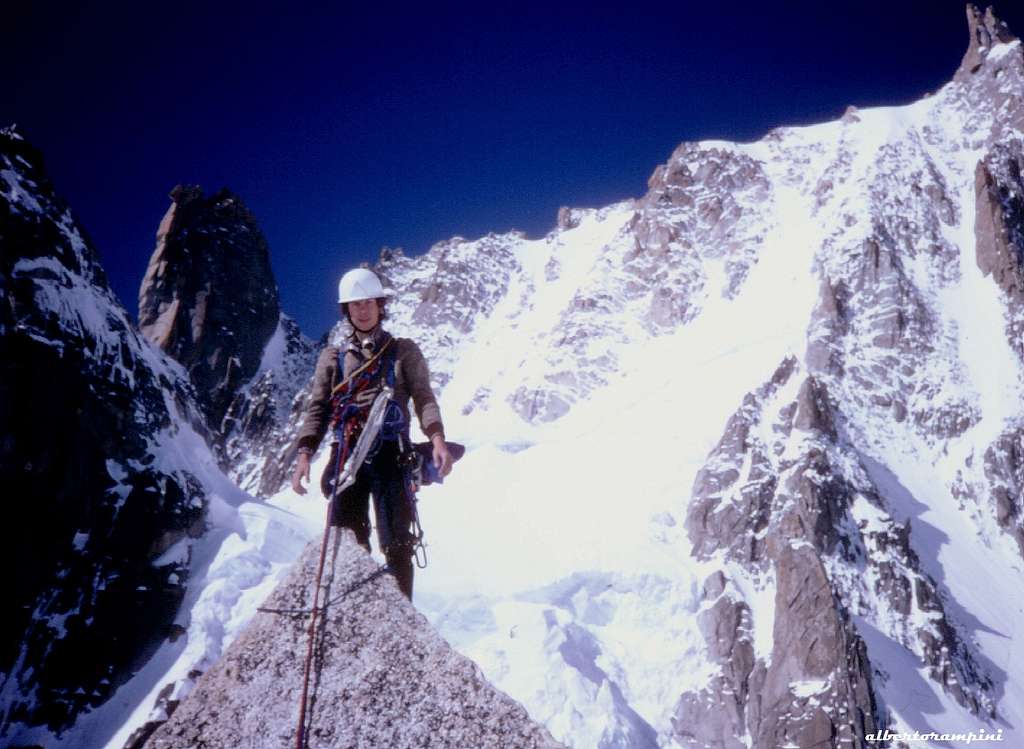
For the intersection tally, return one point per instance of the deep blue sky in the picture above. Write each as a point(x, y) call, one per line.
point(372, 124)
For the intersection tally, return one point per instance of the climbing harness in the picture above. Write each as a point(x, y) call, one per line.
point(348, 401)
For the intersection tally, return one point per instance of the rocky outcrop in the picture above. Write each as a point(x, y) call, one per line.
point(999, 230)
point(262, 422)
point(705, 205)
point(95, 492)
point(989, 81)
point(786, 501)
point(1004, 479)
point(985, 31)
point(761, 504)
point(381, 675)
point(999, 222)
point(999, 248)
point(209, 298)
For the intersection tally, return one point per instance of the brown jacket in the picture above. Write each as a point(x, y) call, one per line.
point(412, 379)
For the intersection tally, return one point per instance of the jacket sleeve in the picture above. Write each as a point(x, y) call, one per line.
point(318, 411)
point(418, 377)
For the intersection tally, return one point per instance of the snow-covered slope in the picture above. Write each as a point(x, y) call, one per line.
point(619, 547)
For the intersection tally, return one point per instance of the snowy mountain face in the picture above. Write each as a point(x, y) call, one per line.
point(786, 388)
point(101, 500)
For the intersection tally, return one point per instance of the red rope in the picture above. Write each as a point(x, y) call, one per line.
point(300, 732)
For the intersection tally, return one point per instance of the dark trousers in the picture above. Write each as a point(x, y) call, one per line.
point(382, 478)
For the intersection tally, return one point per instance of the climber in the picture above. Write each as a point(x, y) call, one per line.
point(346, 382)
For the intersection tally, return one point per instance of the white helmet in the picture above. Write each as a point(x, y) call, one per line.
point(359, 284)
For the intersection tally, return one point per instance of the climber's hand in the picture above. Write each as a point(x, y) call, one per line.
point(301, 472)
point(442, 458)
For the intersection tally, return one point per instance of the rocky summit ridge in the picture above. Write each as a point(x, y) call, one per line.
point(381, 676)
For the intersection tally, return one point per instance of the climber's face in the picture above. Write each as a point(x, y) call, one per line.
point(364, 314)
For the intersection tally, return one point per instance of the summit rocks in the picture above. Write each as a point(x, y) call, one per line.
point(381, 677)
point(985, 32)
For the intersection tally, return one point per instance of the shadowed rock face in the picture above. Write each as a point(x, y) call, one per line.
point(209, 298)
point(85, 405)
point(382, 676)
point(999, 230)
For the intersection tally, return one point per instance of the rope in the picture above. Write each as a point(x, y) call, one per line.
point(361, 369)
point(379, 572)
point(300, 731)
